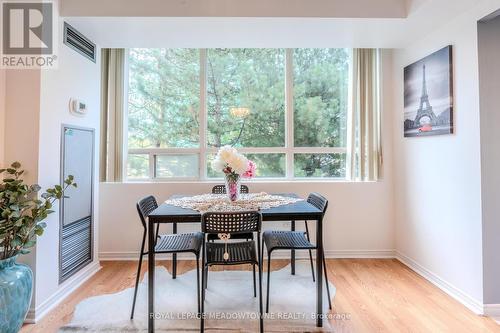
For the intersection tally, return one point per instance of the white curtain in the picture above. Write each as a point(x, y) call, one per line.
point(112, 106)
point(364, 160)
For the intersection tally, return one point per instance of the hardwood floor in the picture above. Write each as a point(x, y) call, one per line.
point(373, 295)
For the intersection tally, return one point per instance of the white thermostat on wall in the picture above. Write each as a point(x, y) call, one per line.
point(77, 107)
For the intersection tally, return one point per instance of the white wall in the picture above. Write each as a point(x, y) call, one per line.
point(2, 116)
point(438, 179)
point(75, 77)
point(21, 115)
point(349, 230)
point(22, 105)
point(33, 105)
point(489, 83)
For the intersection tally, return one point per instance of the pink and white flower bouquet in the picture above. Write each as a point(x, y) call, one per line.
point(235, 166)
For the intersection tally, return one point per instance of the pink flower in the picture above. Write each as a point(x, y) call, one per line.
point(250, 170)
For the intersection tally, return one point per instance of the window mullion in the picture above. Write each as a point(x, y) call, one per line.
point(289, 142)
point(152, 165)
point(203, 113)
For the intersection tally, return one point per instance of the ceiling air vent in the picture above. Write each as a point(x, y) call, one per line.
point(79, 42)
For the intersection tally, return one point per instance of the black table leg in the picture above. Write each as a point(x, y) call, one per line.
point(151, 276)
point(174, 255)
point(319, 276)
point(292, 261)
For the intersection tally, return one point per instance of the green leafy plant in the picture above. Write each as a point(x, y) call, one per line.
point(22, 210)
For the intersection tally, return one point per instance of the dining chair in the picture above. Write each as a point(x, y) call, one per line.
point(294, 240)
point(174, 243)
point(231, 253)
point(221, 189)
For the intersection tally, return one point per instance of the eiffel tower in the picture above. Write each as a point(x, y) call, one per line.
point(425, 109)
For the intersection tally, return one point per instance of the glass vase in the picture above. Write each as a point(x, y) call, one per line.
point(233, 187)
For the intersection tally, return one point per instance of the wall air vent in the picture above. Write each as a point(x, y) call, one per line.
point(79, 42)
point(76, 236)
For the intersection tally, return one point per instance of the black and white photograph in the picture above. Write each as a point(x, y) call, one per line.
point(428, 95)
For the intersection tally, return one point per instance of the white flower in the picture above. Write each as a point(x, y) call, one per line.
point(227, 153)
point(239, 164)
point(218, 164)
point(229, 156)
point(230, 160)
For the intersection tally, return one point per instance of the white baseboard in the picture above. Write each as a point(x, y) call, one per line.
point(64, 291)
point(470, 302)
point(283, 254)
point(493, 311)
point(360, 254)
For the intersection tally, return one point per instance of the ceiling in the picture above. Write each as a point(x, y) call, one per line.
point(124, 26)
point(237, 8)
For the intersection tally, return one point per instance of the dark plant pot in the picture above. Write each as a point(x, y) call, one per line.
point(16, 285)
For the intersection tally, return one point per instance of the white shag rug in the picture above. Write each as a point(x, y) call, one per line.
point(230, 305)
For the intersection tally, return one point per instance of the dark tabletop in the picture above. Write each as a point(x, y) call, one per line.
point(300, 210)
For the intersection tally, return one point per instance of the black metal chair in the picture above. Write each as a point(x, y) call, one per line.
point(294, 240)
point(221, 189)
point(176, 243)
point(241, 252)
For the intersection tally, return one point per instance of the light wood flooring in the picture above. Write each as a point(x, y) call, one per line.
point(374, 295)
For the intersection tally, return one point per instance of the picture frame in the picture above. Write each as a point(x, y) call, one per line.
point(428, 95)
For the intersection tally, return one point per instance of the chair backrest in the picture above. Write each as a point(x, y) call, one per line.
point(318, 201)
point(231, 222)
point(144, 207)
point(221, 189)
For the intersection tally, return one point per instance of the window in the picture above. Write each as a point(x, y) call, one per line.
point(320, 90)
point(164, 98)
point(285, 109)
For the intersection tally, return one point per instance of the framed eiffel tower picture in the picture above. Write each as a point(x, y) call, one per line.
point(428, 95)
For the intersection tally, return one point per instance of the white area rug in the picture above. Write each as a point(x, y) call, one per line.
point(229, 306)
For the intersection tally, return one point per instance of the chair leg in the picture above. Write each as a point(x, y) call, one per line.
point(261, 315)
point(157, 231)
point(261, 258)
point(268, 280)
point(310, 252)
point(202, 317)
point(326, 281)
point(138, 274)
point(206, 277)
point(174, 255)
point(198, 282)
point(254, 282)
point(136, 285)
point(174, 266)
point(292, 252)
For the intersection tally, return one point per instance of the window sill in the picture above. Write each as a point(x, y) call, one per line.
point(254, 181)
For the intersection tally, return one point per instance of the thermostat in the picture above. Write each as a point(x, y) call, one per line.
point(77, 107)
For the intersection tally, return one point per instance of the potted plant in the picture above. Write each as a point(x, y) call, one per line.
point(22, 211)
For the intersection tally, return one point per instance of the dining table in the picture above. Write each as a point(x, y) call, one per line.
point(297, 211)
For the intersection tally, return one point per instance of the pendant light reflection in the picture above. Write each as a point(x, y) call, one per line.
point(239, 112)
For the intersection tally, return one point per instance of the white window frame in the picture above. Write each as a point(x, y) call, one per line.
point(289, 150)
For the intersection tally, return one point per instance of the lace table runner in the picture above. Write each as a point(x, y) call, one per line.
point(221, 203)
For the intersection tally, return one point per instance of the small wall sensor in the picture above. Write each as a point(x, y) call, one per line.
point(77, 107)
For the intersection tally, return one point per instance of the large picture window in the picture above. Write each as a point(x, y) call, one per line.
point(286, 109)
